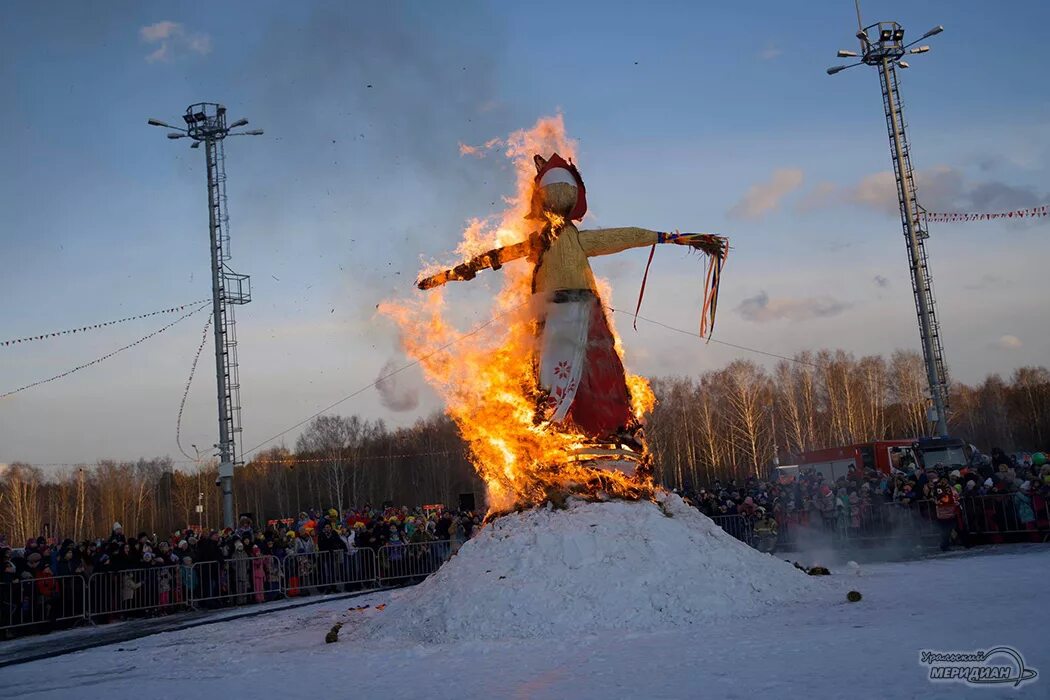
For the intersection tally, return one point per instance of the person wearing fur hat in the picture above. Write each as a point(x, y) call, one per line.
point(117, 534)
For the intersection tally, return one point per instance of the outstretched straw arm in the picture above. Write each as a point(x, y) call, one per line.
point(606, 241)
point(467, 271)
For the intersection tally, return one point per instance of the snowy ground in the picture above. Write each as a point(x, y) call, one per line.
point(823, 648)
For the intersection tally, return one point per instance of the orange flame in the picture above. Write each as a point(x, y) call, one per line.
point(488, 380)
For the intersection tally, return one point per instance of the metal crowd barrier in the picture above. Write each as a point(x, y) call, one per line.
point(37, 601)
point(738, 526)
point(157, 588)
point(996, 515)
point(414, 560)
point(330, 572)
point(983, 519)
point(236, 581)
point(241, 581)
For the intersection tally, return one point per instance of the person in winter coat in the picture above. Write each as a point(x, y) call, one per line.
point(117, 535)
point(854, 512)
point(209, 556)
point(273, 568)
point(748, 507)
point(164, 585)
point(258, 574)
point(947, 508)
point(188, 575)
point(240, 572)
point(302, 562)
point(1023, 505)
point(332, 557)
point(244, 528)
point(128, 587)
point(828, 507)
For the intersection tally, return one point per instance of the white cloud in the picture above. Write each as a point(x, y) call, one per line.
point(823, 194)
point(877, 191)
point(172, 41)
point(1008, 342)
point(761, 309)
point(769, 53)
point(940, 188)
point(765, 197)
point(159, 30)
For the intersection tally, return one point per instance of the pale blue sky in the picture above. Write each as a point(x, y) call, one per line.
point(679, 109)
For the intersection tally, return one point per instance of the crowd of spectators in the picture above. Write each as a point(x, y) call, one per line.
point(996, 493)
point(45, 583)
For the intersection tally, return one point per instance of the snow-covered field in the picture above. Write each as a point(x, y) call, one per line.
point(823, 647)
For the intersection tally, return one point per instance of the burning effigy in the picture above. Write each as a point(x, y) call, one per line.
point(547, 406)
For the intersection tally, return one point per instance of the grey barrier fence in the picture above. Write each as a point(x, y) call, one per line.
point(329, 571)
point(1005, 514)
point(116, 593)
point(988, 519)
point(30, 602)
point(413, 560)
point(237, 581)
point(738, 526)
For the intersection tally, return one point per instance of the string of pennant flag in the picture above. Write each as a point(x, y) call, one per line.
point(186, 391)
point(292, 460)
point(94, 326)
point(108, 355)
point(953, 217)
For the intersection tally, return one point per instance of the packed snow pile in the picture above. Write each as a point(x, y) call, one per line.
point(627, 566)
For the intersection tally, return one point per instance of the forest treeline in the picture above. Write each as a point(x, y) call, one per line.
point(722, 423)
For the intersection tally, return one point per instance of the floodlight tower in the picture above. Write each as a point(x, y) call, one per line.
point(882, 46)
point(206, 123)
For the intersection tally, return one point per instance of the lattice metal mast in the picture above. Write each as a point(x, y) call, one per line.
point(206, 123)
point(882, 46)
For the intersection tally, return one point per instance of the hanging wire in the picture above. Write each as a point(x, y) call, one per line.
point(94, 326)
point(105, 357)
point(475, 331)
point(719, 342)
point(290, 460)
point(409, 365)
point(186, 391)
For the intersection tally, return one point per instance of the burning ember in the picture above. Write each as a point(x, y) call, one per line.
point(545, 404)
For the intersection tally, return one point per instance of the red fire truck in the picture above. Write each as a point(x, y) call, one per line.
point(887, 455)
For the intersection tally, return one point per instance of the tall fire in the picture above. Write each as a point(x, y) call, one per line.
point(542, 398)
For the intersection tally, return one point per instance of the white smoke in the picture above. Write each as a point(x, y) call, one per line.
point(395, 391)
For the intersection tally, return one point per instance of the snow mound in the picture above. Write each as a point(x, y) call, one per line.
point(627, 566)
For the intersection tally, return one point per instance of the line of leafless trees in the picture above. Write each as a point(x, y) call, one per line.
point(722, 423)
point(729, 422)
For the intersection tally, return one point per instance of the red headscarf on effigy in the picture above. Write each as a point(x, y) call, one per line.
point(556, 161)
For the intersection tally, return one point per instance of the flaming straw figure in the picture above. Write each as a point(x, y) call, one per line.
point(548, 408)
